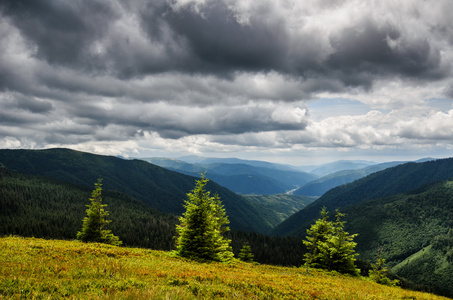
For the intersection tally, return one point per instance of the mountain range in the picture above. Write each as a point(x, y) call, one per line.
point(321, 185)
point(404, 211)
point(240, 176)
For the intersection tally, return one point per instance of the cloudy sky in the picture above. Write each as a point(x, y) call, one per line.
point(281, 80)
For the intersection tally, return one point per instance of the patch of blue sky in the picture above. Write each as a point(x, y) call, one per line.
point(442, 104)
point(334, 107)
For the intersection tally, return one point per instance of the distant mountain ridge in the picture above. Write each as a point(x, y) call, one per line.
point(193, 159)
point(340, 165)
point(241, 176)
point(321, 185)
point(157, 187)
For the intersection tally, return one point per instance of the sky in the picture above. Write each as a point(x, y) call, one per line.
point(290, 81)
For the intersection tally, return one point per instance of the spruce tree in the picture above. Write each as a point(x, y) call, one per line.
point(329, 246)
point(379, 272)
point(245, 254)
point(201, 228)
point(317, 235)
point(93, 228)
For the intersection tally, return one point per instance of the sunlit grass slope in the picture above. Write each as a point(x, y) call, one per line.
point(52, 269)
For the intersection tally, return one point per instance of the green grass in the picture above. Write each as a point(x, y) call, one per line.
point(33, 268)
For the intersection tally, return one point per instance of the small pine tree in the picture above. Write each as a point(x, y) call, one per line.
point(245, 254)
point(379, 272)
point(95, 221)
point(201, 228)
point(329, 246)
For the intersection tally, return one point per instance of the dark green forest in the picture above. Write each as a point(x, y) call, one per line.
point(157, 187)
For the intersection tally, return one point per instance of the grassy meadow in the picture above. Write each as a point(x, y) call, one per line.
point(33, 268)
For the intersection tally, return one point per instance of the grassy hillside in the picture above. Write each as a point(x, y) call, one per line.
point(44, 269)
point(157, 187)
point(391, 181)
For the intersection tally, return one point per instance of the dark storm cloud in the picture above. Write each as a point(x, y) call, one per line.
point(34, 105)
point(220, 43)
point(63, 32)
point(212, 40)
point(365, 49)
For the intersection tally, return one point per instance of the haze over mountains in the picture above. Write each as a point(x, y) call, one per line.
point(240, 176)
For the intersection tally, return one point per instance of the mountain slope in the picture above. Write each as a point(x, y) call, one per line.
point(321, 185)
point(155, 186)
point(391, 181)
point(413, 231)
point(279, 206)
point(417, 223)
point(432, 265)
point(402, 224)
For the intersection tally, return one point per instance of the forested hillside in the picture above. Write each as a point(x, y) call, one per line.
point(157, 187)
point(41, 207)
point(391, 181)
point(401, 211)
point(279, 206)
point(418, 223)
point(432, 265)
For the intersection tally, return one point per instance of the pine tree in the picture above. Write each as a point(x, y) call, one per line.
point(201, 228)
point(317, 235)
point(329, 246)
point(379, 272)
point(245, 254)
point(95, 221)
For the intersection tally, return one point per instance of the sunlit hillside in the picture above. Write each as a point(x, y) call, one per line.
point(51, 269)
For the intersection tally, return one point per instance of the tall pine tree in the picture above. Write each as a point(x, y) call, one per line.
point(93, 228)
point(329, 246)
point(201, 228)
